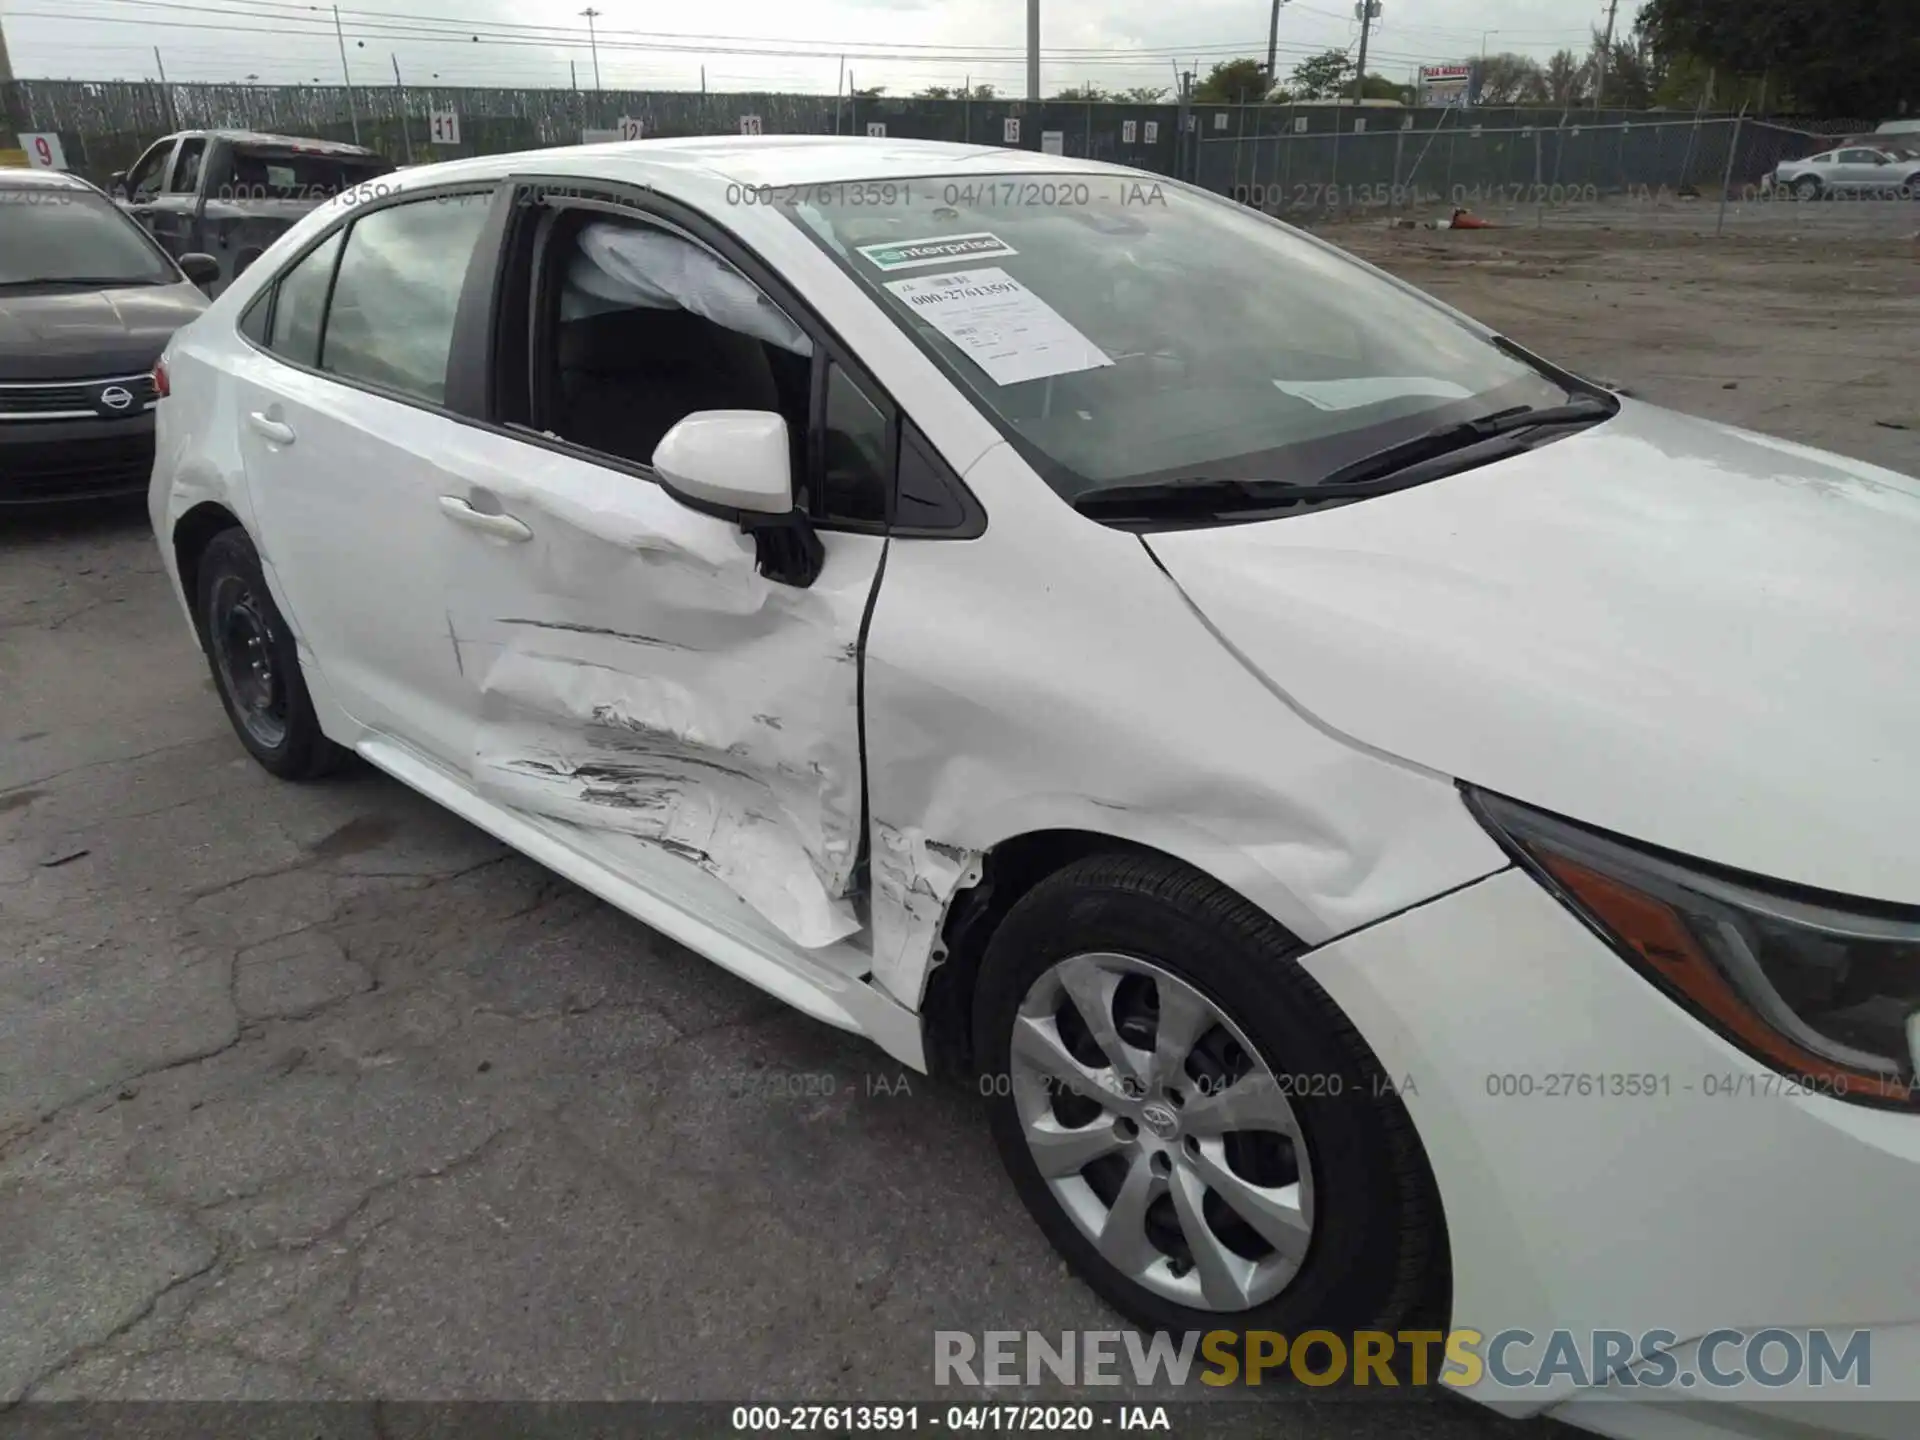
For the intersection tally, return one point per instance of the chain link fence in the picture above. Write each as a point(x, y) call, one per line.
point(1297, 160)
point(1568, 169)
point(104, 127)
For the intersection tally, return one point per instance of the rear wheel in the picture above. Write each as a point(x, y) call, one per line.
point(255, 665)
point(1189, 1118)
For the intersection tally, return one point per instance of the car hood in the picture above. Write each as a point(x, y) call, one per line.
point(1678, 631)
point(80, 334)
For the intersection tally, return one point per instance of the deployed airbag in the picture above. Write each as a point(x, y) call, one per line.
point(623, 267)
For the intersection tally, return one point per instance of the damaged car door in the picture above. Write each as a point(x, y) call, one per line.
point(672, 686)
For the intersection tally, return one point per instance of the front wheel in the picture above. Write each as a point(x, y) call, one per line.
point(1190, 1119)
point(255, 665)
point(1806, 188)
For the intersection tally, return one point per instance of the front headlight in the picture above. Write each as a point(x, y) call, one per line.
point(1819, 986)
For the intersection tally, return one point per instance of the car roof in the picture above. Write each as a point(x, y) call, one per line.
point(262, 137)
point(42, 180)
point(761, 160)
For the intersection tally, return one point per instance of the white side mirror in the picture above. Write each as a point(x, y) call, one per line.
point(728, 460)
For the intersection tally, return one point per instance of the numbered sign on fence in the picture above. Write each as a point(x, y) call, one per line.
point(1152, 136)
point(876, 129)
point(1360, 125)
point(1010, 130)
point(1053, 142)
point(43, 150)
point(629, 127)
point(1219, 119)
point(1299, 124)
point(749, 124)
point(1128, 129)
point(443, 127)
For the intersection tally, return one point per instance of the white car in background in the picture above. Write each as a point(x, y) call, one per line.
point(1397, 830)
point(1885, 167)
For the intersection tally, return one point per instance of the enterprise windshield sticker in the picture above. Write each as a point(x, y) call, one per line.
point(934, 250)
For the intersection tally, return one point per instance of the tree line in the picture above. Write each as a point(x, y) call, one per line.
point(1835, 57)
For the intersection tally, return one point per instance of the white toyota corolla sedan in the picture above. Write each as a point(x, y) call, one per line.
point(1394, 828)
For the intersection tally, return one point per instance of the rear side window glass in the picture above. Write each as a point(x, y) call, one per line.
point(391, 319)
point(253, 324)
point(295, 175)
point(302, 300)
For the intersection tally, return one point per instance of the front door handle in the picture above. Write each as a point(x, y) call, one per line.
point(501, 527)
point(269, 428)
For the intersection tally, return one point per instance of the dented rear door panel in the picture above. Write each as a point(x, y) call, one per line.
point(632, 675)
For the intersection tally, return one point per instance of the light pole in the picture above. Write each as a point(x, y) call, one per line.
point(593, 43)
point(1033, 49)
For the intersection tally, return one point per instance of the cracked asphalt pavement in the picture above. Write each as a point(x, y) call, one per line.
point(317, 1092)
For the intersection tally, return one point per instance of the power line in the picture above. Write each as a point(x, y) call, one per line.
point(383, 23)
point(1135, 59)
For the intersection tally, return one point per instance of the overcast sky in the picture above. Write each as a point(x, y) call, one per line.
point(901, 44)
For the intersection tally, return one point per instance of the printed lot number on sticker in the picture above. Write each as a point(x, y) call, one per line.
point(1003, 327)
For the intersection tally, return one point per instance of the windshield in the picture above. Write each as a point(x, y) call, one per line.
point(295, 175)
point(50, 237)
point(1121, 329)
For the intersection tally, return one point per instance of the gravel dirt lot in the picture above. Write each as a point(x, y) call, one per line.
point(317, 1092)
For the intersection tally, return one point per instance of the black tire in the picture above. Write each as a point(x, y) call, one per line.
point(1378, 1252)
point(1807, 187)
point(230, 578)
point(1911, 190)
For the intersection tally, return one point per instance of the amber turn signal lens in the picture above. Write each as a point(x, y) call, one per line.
point(1653, 931)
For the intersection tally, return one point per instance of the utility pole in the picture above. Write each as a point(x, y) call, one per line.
point(593, 43)
point(406, 134)
point(1033, 49)
point(1606, 55)
point(1273, 45)
point(353, 110)
point(166, 95)
point(1368, 11)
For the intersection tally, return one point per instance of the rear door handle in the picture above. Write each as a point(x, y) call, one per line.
point(501, 527)
point(270, 429)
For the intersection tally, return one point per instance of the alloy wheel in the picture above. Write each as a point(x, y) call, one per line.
point(1161, 1132)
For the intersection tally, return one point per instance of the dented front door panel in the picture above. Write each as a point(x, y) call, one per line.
point(633, 675)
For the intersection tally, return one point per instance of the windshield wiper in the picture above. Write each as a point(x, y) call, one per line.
point(88, 281)
point(1466, 433)
point(1438, 452)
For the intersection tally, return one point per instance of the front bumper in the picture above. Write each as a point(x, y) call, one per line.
point(1714, 1198)
point(56, 460)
